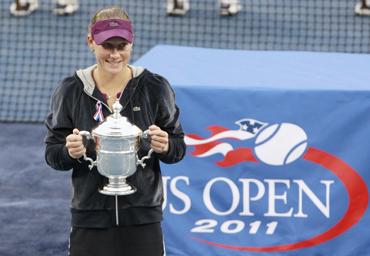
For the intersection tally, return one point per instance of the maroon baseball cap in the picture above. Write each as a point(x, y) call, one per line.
point(105, 29)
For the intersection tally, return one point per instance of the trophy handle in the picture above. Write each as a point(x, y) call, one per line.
point(141, 161)
point(86, 158)
point(145, 135)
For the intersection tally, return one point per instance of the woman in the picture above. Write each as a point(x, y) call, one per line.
point(81, 102)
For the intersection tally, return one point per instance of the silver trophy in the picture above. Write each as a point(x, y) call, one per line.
point(117, 143)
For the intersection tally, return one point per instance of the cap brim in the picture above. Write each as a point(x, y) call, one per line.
point(105, 35)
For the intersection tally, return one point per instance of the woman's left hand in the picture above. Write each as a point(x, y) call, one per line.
point(159, 139)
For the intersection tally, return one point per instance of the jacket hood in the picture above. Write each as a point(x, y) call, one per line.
point(88, 81)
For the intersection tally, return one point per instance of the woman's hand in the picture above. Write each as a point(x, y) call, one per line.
point(74, 144)
point(159, 139)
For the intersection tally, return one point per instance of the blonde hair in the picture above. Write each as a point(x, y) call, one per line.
point(109, 12)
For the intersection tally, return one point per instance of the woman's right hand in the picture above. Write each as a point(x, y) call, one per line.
point(74, 144)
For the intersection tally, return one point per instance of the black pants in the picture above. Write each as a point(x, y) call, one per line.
point(138, 240)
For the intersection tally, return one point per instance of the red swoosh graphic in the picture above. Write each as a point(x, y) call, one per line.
point(216, 129)
point(202, 148)
point(358, 202)
point(236, 156)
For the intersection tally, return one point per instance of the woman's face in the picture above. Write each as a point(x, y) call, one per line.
point(113, 55)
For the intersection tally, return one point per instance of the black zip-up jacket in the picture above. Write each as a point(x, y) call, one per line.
point(147, 99)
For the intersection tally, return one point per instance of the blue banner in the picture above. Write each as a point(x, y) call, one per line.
point(277, 171)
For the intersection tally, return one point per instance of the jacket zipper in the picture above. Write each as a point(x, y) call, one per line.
point(98, 100)
point(123, 107)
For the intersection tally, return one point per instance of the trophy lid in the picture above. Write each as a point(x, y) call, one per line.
point(117, 125)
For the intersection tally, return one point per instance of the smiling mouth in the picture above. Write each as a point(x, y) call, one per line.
point(114, 62)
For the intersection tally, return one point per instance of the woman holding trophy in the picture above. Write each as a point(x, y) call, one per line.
point(117, 101)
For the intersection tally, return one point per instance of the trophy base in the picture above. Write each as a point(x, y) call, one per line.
point(117, 188)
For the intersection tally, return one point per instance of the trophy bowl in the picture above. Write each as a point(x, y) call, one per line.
point(117, 143)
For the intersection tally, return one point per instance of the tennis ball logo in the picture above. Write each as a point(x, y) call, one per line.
point(280, 144)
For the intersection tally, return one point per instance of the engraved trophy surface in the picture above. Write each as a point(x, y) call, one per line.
point(117, 142)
